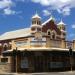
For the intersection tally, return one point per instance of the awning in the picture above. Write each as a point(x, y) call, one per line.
point(12, 52)
point(7, 52)
point(20, 51)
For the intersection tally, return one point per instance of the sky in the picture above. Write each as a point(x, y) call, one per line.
point(17, 14)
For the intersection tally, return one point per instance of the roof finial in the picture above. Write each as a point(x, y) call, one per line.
point(52, 18)
point(61, 23)
point(36, 15)
point(61, 20)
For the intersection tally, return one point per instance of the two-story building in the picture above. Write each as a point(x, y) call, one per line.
point(40, 48)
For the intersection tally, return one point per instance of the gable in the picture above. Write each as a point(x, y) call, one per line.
point(51, 26)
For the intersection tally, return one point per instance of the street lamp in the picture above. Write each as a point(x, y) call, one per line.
point(71, 54)
point(15, 53)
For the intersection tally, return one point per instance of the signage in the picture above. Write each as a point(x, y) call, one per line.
point(35, 41)
point(41, 40)
point(56, 64)
point(21, 43)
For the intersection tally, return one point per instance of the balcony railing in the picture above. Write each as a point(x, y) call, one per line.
point(45, 43)
point(69, 44)
point(55, 43)
point(38, 43)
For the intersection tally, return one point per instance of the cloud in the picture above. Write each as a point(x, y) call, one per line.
point(45, 2)
point(65, 11)
point(20, 0)
point(62, 6)
point(5, 7)
point(5, 4)
point(73, 26)
point(8, 11)
point(46, 13)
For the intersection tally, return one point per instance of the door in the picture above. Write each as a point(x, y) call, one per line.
point(39, 63)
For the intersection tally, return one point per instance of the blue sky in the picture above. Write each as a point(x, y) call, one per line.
point(16, 14)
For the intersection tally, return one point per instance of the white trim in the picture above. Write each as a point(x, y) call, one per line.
point(43, 49)
point(7, 51)
point(51, 18)
point(40, 49)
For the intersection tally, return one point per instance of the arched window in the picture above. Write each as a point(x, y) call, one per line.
point(53, 34)
point(48, 32)
point(38, 22)
point(5, 46)
point(33, 22)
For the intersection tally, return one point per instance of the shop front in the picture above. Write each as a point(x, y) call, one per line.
point(41, 61)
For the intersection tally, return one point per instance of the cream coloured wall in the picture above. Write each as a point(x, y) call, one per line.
point(48, 43)
point(74, 44)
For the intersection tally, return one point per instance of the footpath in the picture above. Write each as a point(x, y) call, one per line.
point(48, 73)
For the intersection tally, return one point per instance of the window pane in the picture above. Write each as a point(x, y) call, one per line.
point(4, 59)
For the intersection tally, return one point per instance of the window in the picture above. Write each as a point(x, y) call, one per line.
point(4, 59)
point(5, 46)
point(24, 63)
point(38, 22)
point(33, 22)
point(48, 33)
point(53, 36)
point(38, 29)
point(32, 29)
point(21, 43)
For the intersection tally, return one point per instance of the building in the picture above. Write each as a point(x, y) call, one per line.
point(41, 48)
